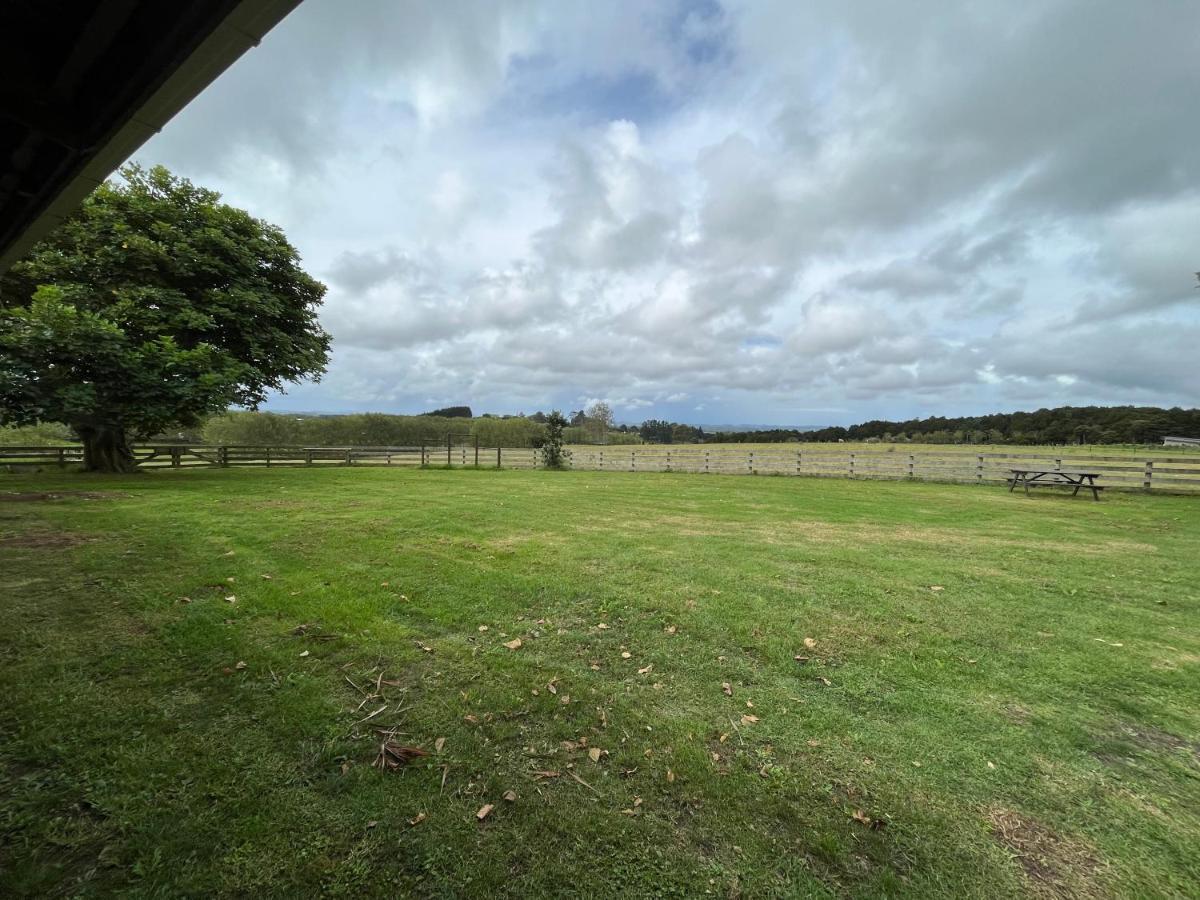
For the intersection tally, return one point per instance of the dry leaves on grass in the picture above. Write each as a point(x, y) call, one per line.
point(594, 754)
point(510, 796)
point(514, 644)
point(393, 756)
point(418, 819)
point(810, 644)
point(485, 811)
point(749, 720)
point(727, 688)
point(861, 817)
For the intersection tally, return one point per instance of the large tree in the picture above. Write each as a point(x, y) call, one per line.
point(152, 306)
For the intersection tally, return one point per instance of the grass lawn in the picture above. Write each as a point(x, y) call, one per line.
point(999, 694)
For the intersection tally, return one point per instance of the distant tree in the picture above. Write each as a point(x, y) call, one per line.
point(151, 307)
point(554, 456)
point(451, 412)
point(579, 417)
point(598, 420)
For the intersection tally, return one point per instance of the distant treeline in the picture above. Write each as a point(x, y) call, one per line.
point(1062, 425)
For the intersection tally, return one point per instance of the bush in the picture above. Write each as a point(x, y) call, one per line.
point(553, 454)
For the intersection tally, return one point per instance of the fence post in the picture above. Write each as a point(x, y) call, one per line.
point(62, 457)
point(308, 457)
point(851, 465)
point(750, 462)
point(422, 455)
point(447, 448)
point(477, 451)
point(1058, 462)
point(979, 470)
point(601, 466)
point(799, 460)
point(1148, 473)
point(668, 460)
point(706, 452)
point(349, 456)
point(497, 457)
point(268, 457)
point(223, 456)
point(534, 456)
point(912, 464)
point(632, 460)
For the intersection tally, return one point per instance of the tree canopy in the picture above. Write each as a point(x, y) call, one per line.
point(153, 306)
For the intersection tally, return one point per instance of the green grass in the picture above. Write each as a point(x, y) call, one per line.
point(1032, 726)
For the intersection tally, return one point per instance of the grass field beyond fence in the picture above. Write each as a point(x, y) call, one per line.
point(1137, 468)
point(683, 685)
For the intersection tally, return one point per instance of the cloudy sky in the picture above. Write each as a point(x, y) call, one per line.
point(739, 212)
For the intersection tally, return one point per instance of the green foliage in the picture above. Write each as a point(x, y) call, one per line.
point(368, 429)
point(1062, 425)
point(554, 456)
point(48, 434)
point(452, 412)
point(152, 306)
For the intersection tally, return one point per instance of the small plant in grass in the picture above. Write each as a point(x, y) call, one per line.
point(554, 456)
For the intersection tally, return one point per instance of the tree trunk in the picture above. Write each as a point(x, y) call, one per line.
point(105, 449)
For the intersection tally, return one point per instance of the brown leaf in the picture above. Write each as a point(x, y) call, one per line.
point(471, 719)
point(185, 599)
point(862, 818)
point(510, 796)
point(594, 754)
point(825, 681)
point(439, 744)
point(546, 773)
point(483, 628)
point(345, 766)
point(749, 720)
point(810, 644)
point(646, 670)
point(484, 811)
point(417, 819)
point(304, 653)
point(936, 587)
point(625, 654)
point(800, 659)
point(602, 626)
point(240, 665)
point(514, 644)
point(393, 756)
point(670, 777)
point(231, 599)
point(670, 629)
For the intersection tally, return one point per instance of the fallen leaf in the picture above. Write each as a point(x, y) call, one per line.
point(240, 665)
point(471, 719)
point(546, 773)
point(232, 598)
point(185, 599)
point(417, 819)
point(723, 738)
point(483, 628)
point(514, 644)
point(625, 654)
point(564, 699)
point(809, 643)
point(749, 705)
point(345, 766)
point(439, 744)
point(936, 587)
point(228, 553)
point(670, 777)
point(646, 670)
point(510, 796)
point(991, 765)
point(265, 577)
point(552, 688)
point(594, 754)
point(860, 816)
point(670, 629)
point(484, 811)
point(372, 824)
point(727, 688)
point(304, 653)
point(825, 681)
point(602, 626)
point(749, 720)
point(392, 755)
point(800, 659)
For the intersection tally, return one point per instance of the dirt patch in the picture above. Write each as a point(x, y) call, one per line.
point(1053, 865)
point(1154, 740)
point(43, 540)
point(42, 496)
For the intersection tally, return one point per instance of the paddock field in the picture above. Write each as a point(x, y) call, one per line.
point(739, 686)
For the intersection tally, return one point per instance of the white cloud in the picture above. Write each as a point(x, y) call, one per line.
point(803, 209)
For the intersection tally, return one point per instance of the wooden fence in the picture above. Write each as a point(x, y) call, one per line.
point(1179, 473)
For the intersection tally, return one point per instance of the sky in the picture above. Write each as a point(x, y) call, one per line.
point(753, 211)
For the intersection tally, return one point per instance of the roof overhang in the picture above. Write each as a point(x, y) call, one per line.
point(84, 83)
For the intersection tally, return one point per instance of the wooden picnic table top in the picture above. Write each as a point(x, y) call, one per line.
point(1054, 472)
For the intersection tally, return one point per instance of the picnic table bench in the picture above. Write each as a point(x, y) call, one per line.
point(1055, 477)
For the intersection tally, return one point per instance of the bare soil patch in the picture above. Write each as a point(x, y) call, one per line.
point(43, 540)
point(42, 496)
point(1053, 865)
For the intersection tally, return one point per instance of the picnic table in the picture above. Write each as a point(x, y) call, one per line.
point(1055, 477)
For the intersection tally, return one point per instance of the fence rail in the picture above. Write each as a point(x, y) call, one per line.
point(1163, 473)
